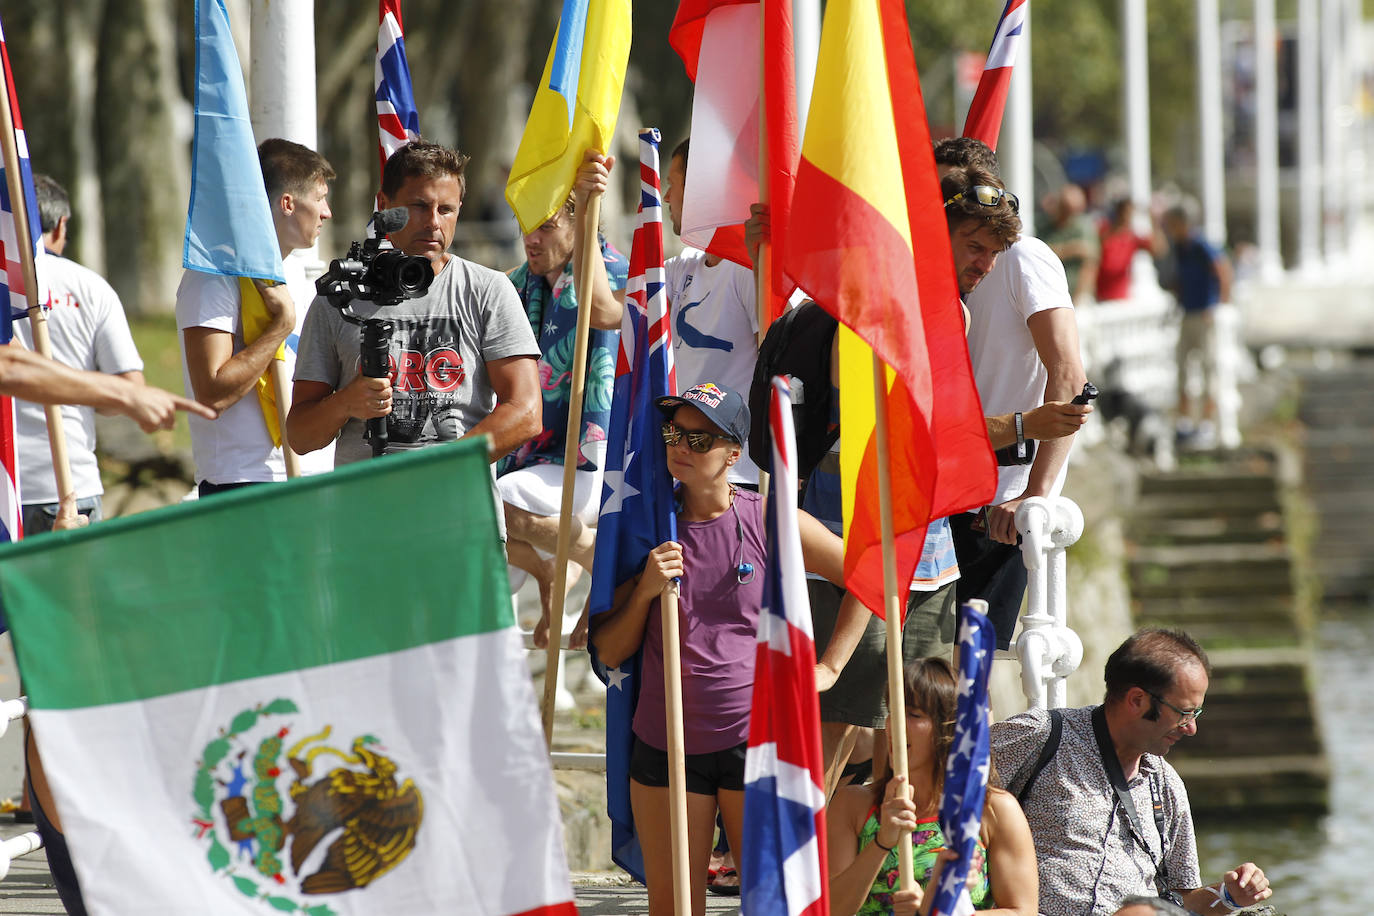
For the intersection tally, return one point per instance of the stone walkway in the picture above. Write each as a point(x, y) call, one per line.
point(617, 895)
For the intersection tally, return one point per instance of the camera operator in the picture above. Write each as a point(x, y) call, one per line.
point(219, 369)
point(462, 356)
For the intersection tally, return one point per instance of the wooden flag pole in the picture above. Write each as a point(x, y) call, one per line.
point(282, 383)
point(896, 686)
point(590, 217)
point(677, 760)
point(763, 264)
point(57, 434)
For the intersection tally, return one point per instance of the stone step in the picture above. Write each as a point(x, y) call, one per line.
point(1206, 483)
point(1203, 531)
point(1206, 505)
point(1241, 579)
point(1254, 788)
point(1224, 622)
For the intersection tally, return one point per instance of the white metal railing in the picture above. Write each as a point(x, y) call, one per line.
point(25, 843)
point(1048, 650)
point(1130, 345)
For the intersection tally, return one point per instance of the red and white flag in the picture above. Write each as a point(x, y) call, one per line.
point(984, 120)
point(14, 294)
point(784, 860)
point(398, 121)
point(721, 43)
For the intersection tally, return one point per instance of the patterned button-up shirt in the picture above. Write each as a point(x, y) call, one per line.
point(1090, 857)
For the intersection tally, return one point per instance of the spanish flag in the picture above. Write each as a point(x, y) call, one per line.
point(869, 242)
point(575, 107)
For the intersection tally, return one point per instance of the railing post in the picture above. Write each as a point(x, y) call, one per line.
point(25, 843)
point(1049, 651)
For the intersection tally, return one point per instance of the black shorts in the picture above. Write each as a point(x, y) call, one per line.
point(706, 773)
point(859, 696)
point(992, 571)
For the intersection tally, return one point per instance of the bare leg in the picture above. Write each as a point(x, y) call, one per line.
point(653, 824)
point(731, 805)
point(837, 742)
point(542, 531)
point(523, 556)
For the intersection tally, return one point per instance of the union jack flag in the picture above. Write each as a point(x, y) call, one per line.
point(784, 862)
point(398, 121)
point(984, 120)
point(637, 512)
point(966, 772)
point(15, 291)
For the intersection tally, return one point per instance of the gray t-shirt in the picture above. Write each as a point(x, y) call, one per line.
point(440, 344)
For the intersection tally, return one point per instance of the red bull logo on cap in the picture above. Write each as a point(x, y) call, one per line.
point(706, 393)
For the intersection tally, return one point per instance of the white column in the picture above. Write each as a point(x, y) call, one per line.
point(282, 70)
point(1136, 104)
point(1015, 152)
point(806, 39)
point(281, 86)
point(1266, 142)
point(1355, 143)
point(1309, 139)
point(1211, 151)
point(1333, 136)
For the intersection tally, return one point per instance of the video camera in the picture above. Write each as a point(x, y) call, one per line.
point(375, 271)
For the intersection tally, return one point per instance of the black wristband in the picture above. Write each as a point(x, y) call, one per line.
point(881, 846)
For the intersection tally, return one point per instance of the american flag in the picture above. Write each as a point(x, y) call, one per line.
point(966, 773)
point(398, 121)
point(16, 293)
point(784, 861)
point(984, 120)
point(637, 512)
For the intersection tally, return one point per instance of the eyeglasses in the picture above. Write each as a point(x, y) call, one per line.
point(1184, 715)
point(698, 440)
point(988, 196)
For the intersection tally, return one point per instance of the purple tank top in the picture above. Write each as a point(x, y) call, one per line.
point(718, 623)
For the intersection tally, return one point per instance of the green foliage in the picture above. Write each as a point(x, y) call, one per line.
point(218, 856)
point(246, 885)
point(215, 751)
point(204, 791)
point(243, 721)
point(285, 904)
point(279, 706)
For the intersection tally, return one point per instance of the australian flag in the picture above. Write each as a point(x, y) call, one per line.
point(398, 121)
point(637, 512)
point(784, 866)
point(966, 773)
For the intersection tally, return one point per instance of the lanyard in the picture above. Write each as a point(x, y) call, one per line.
point(1112, 764)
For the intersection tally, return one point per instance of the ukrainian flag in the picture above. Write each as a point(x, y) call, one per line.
point(574, 109)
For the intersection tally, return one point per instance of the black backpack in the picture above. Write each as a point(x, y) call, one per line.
point(798, 345)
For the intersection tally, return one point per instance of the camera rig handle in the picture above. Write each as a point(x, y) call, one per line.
point(374, 361)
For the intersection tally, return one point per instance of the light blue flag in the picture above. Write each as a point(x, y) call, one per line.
point(229, 222)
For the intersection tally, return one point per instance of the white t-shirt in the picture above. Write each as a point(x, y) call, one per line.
point(1028, 278)
point(715, 330)
point(237, 447)
point(88, 330)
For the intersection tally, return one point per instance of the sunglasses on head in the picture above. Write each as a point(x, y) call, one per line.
point(988, 196)
point(698, 441)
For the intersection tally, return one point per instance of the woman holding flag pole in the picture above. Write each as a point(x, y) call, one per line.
point(718, 558)
point(865, 823)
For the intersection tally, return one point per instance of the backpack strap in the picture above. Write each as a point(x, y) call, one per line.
point(1046, 753)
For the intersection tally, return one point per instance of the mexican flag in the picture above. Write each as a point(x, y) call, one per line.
point(301, 698)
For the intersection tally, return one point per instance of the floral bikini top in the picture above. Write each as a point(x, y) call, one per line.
point(925, 840)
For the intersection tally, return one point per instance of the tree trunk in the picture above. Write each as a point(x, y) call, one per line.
point(145, 127)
